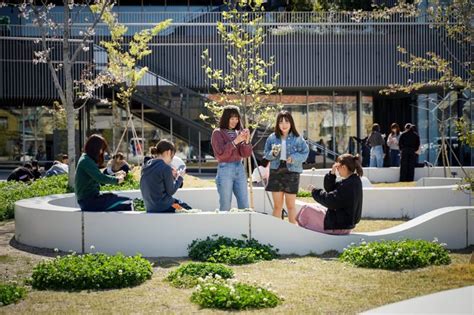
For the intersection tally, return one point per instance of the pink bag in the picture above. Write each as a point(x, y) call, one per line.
point(311, 217)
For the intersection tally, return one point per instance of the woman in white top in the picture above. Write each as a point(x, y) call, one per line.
point(392, 143)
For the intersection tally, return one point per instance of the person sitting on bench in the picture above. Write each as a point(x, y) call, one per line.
point(343, 199)
point(159, 181)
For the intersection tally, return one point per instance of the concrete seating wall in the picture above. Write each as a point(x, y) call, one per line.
point(392, 174)
point(42, 222)
point(437, 181)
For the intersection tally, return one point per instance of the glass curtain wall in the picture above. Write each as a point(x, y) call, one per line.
point(430, 118)
point(32, 133)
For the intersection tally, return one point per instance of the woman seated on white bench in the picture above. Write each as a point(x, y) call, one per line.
point(343, 199)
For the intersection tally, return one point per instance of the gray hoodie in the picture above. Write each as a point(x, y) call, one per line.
point(158, 185)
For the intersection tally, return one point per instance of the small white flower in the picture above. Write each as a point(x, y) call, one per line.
point(265, 299)
point(120, 272)
point(92, 247)
point(212, 289)
point(435, 240)
point(217, 276)
point(85, 48)
point(56, 250)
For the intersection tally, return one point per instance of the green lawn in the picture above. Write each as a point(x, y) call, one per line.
point(309, 285)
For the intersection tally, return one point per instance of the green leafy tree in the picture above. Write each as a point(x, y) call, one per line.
point(123, 57)
point(248, 84)
point(453, 21)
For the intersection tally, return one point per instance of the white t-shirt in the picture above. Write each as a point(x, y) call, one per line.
point(256, 175)
point(283, 150)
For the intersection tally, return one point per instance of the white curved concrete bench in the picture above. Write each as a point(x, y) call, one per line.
point(392, 174)
point(56, 222)
point(453, 226)
point(398, 202)
point(438, 181)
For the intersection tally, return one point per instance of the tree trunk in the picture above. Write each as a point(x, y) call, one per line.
point(69, 92)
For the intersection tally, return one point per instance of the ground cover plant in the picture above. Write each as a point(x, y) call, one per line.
point(396, 255)
point(11, 293)
point(220, 249)
point(91, 271)
point(138, 204)
point(188, 275)
point(228, 294)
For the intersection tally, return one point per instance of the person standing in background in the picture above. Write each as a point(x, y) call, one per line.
point(409, 143)
point(376, 142)
point(392, 143)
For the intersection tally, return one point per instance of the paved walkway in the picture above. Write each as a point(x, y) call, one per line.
point(457, 301)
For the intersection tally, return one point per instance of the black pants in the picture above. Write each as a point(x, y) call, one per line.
point(106, 202)
point(407, 165)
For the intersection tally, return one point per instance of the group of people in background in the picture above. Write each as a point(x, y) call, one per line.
point(404, 149)
point(31, 171)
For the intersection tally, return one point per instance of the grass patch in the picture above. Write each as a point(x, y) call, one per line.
point(187, 275)
point(5, 259)
point(396, 255)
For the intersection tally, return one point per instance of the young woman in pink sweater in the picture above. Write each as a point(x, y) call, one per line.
point(231, 143)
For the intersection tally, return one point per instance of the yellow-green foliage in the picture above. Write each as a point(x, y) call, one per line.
point(248, 84)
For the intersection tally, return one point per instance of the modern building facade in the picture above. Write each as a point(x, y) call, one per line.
point(331, 71)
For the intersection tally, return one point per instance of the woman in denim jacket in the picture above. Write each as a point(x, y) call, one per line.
point(231, 144)
point(286, 150)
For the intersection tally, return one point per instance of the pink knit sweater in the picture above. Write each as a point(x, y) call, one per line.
point(225, 151)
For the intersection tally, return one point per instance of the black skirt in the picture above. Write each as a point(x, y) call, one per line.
point(282, 180)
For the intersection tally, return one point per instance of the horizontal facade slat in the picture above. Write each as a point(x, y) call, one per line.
point(327, 51)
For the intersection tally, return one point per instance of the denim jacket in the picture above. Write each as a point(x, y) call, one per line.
point(296, 148)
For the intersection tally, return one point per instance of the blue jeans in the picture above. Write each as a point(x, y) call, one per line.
point(376, 156)
point(231, 178)
point(394, 157)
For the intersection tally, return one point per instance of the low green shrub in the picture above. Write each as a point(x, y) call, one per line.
point(239, 256)
point(396, 255)
point(91, 271)
point(303, 193)
point(10, 192)
point(187, 276)
point(11, 293)
point(226, 294)
point(130, 183)
point(228, 250)
point(138, 204)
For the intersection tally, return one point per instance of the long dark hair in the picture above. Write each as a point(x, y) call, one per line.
point(95, 148)
point(284, 114)
point(376, 127)
point(396, 127)
point(229, 112)
point(352, 162)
